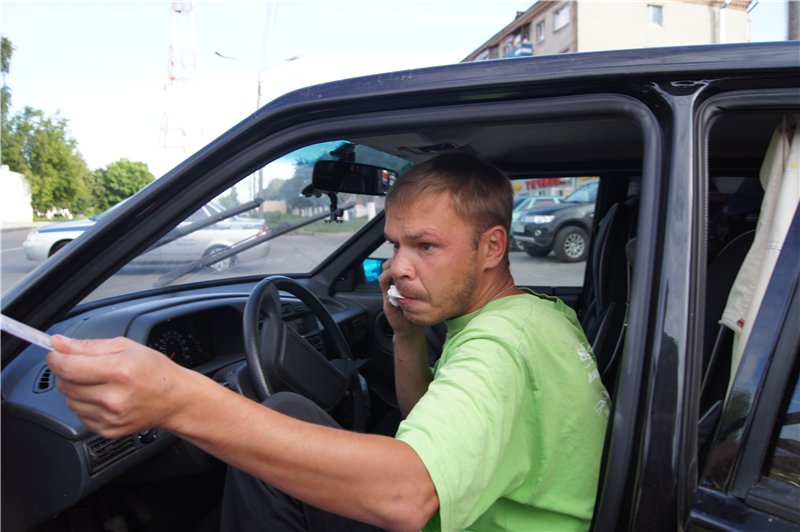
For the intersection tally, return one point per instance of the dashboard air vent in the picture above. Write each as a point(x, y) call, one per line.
point(45, 381)
point(103, 452)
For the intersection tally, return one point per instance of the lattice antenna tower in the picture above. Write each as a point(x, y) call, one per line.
point(179, 125)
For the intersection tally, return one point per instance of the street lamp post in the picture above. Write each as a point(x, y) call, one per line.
point(259, 73)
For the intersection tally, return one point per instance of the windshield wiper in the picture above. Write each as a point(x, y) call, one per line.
point(244, 245)
point(180, 232)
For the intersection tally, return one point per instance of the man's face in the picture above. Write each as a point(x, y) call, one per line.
point(435, 264)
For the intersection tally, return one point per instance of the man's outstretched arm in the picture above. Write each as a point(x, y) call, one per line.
point(119, 387)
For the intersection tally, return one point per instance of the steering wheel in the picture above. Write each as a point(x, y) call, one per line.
point(280, 359)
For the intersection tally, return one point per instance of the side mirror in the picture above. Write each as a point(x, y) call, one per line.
point(353, 178)
point(372, 269)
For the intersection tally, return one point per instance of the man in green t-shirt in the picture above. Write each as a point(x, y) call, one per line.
point(511, 421)
point(505, 433)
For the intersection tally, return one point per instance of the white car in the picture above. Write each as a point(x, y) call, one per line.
point(43, 242)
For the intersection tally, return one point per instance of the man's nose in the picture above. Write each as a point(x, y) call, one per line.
point(401, 265)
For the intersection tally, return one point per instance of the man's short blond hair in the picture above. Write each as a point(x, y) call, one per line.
point(480, 193)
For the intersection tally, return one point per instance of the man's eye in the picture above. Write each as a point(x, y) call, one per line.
point(426, 247)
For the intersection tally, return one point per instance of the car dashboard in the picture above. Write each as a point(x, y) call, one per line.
point(58, 460)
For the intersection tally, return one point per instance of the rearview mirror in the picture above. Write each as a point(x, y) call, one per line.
point(353, 178)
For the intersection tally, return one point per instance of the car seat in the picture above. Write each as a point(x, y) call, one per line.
point(606, 314)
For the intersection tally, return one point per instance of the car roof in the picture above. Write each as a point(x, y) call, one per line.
point(663, 62)
point(563, 146)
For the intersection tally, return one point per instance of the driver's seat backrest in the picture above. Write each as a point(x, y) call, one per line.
point(604, 319)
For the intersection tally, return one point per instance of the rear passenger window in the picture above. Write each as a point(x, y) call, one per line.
point(735, 197)
point(749, 430)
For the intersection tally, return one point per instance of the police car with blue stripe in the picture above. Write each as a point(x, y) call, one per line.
point(207, 239)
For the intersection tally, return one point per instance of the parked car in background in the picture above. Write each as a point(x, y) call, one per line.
point(522, 204)
point(530, 202)
point(703, 423)
point(564, 227)
point(205, 241)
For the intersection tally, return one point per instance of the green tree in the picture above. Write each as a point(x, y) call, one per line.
point(6, 51)
point(41, 148)
point(119, 180)
point(231, 200)
point(273, 192)
point(291, 189)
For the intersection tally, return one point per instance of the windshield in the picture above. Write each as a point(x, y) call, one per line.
point(262, 225)
point(585, 194)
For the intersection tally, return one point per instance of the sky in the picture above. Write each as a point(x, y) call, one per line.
point(103, 65)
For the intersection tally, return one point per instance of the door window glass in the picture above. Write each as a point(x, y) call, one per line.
point(265, 226)
point(551, 230)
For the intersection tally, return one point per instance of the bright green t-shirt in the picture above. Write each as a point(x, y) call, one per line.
point(512, 426)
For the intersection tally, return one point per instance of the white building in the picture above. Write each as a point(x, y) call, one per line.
point(15, 197)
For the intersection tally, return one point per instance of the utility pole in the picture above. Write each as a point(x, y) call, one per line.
point(179, 128)
point(257, 185)
point(793, 20)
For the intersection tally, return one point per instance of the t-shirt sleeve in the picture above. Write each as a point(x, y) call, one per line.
point(460, 428)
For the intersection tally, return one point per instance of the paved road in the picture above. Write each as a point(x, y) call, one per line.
point(291, 253)
point(13, 264)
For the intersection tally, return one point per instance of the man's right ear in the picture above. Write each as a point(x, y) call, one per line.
point(494, 242)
